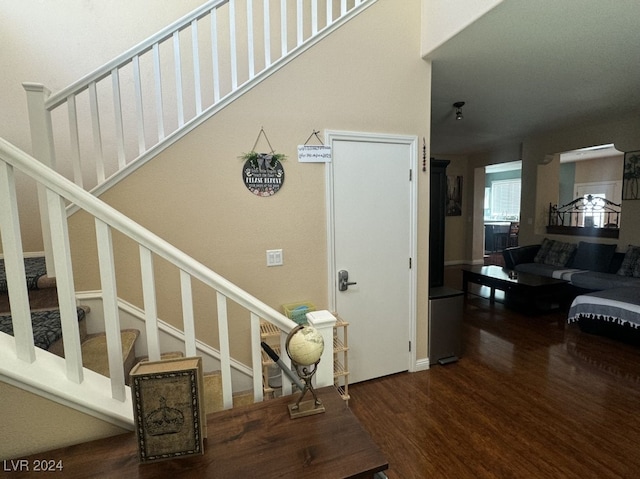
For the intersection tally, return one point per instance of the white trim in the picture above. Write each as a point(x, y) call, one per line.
point(30, 254)
point(422, 364)
point(46, 377)
point(412, 142)
point(134, 317)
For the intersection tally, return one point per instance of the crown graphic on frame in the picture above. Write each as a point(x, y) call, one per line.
point(164, 420)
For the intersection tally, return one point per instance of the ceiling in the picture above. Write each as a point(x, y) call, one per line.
point(527, 67)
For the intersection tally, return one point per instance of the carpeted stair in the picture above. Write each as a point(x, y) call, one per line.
point(43, 300)
point(212, 387)
point(94, 352)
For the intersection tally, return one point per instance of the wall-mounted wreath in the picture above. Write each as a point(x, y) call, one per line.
point(263, 173)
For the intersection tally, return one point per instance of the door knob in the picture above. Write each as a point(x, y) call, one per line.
point(343, 280)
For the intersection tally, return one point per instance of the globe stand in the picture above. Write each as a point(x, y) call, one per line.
point(307, 408)
point(305, 372)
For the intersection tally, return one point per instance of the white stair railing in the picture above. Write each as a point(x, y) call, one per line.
point(122, 114)
point(18, 354)
point(115, 119)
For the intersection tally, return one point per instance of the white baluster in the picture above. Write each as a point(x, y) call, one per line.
point(65, 285)
point(74, 140)
point(97, 135)
point(110, 309)
point(187, 314)
point(117, 108)
point(150, 305)
point(233, 45)
point(225, 351)
point(43, 151)
point(256, 358)
point(14, 265)
point(299, 23)
point(314, 17)
point(250, 49)
point(267, 34)
point(142, 144)
point(196, 66)
point(215, 55)
point(178, 71)
point(329, 12)
point(286, 383)
point(283, 28)
point(157, 77)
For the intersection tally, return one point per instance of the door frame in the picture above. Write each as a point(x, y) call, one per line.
point(412, 141)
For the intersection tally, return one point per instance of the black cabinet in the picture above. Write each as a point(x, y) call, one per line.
point(438, 204)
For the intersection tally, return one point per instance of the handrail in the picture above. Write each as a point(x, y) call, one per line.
point(104, 71)
point(124, 112)
point(97, 208)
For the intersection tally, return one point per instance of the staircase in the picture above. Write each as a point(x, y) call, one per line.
point(74, 134)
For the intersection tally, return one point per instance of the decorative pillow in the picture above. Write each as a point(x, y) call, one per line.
point(560, 253)
point(543, 251)
point(631, 258)
point(594, 256)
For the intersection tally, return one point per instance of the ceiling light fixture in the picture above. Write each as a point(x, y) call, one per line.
point(458, 106)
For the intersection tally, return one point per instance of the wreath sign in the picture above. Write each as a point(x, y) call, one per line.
point(262, 173)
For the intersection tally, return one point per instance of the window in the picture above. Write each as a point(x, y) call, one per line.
point(505, 200)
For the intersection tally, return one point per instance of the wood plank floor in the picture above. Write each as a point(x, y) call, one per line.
point(530, 398)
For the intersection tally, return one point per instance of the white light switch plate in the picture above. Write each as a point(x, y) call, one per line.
point(274, 257)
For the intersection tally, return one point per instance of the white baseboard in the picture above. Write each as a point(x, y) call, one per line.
point(422, 364)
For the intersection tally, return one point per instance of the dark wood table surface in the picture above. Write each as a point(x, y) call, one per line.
point(259, 440)
point(497, 277)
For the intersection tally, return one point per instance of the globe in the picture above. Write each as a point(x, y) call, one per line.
point(305, 345)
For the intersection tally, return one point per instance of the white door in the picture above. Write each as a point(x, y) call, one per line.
point(371, 229)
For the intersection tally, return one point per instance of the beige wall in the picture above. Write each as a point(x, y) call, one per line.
point(56, 43)
point(32, 424)
point(443, 19)
point(539, 178)
point(193, 196)
point(621, 131)
point(604, 169)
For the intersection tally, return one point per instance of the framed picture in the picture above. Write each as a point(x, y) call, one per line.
point(631, 176)
point(454, 195)
point(168, 407)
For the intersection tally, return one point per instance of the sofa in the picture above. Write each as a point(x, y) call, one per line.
point(587, 266)
point(606, 282)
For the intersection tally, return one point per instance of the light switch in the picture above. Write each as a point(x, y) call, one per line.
point(274, 257)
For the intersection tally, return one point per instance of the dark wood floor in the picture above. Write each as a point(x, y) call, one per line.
point(530, 398)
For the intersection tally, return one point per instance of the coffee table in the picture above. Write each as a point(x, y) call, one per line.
point(519, 288)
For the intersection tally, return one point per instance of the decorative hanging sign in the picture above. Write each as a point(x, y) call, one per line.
point(262, 173)
point(314, 153)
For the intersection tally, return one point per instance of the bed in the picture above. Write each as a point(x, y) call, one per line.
point(612, 312)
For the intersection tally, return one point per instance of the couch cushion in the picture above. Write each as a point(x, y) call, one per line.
point(631, 259)
point(594, 256)
point(545, 247)
point(598, 281)
point(560, 253)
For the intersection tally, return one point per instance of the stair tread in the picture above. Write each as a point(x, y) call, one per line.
point(94, 351)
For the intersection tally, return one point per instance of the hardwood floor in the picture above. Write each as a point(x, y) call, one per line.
point(530, 398)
